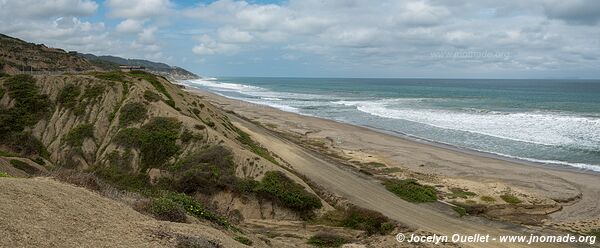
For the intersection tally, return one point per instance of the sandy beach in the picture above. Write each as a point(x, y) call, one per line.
point(560, 198)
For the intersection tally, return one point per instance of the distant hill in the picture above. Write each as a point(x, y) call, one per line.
point(17, 55)
point(112, 62)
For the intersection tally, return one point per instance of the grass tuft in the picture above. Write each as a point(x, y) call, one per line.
point(510, 199)
point(77, 135)
point(327, 240)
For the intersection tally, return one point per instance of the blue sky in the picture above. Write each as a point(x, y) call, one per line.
point(334, 38)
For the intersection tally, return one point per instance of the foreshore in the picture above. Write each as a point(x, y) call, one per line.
point(574, 194)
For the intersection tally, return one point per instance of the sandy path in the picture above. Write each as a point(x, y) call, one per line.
point(368, 193)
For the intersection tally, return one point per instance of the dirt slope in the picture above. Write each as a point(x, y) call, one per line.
point(41, 212)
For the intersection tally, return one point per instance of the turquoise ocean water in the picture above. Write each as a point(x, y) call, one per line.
point(553, 122)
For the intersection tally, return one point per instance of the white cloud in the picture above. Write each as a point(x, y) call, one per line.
point(47, 8)
point(234, 35)
point(208, 46)
point(130, 26)
point(138, 9)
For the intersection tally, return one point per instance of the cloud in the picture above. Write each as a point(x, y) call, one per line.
point(138, 9)
point(130, 26)
point(585, 12)
point(234, 35)
point(208, 46)
point(45, 9)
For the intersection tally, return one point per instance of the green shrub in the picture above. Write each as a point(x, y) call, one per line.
point(243, 240)
point(4, 174)
point(123, 179)
point(29, 107)
point(188, 136)
point(7, 154)
point(196, 111)
point(511, 199)
point(205, 171)
point(166, 209)
point(199, 127)
point(155, 139)
point(460, 193)
point(246, 186)
point(151, 96)
point(151, 78)
point(196, 209)
point(24, 166)
point(411, 191)
point(68, 95)
point(486, 198)
point(278, 187)
point(77, 135)
point(93, 92)
point(327, 240)
point(460, 210)
point(116, 76)
point(25, 143)
point(132, 113)
point(367, 220)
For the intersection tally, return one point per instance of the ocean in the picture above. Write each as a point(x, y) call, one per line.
point(552, 122)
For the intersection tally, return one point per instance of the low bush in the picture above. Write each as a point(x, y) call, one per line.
point(69, 95)
point(124, 180)
point(510, 199)
point(93, 92)
point(152, 79)
point(188, 136)
point(460, 210)
point(26, 144)
point(4, 174)
point(77, 135)
point(243, 240)
point(460, 193)
point(156, 140)
point(367, 220)
point(116, 76)
point(151, 96)
point(132, 113)
point(24, 166)
point(410, 190)
point(278, 187)
point(28, 109)
point(327, 240)
point(196, 209)
point(166, 209)
point(486, 198)
point(205, 171)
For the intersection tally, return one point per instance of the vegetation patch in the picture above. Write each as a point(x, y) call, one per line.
point(26, 144)
point(77, 135)
point(257, 149)
point(205, 171)
point(116, 76)
point(327, 240)
point(489, 199)
point(166, 209)
point(152, 79)
point(4, 174)
point(7, 154)
point(93, 92)
point(132, 113)
point(278, 187)
point(410, 190)
point(29, 107)
point(196, 209)
point(460, 210)
point(68, 95)
point(243, 240)
point(156, 140)
point(27, 168)
point(510, 199)
point(151, 96)
point(460, 193)
point(367, 220)
point(125, 180)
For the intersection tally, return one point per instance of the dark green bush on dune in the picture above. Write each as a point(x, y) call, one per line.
point(29, 107)
point(278, 187)
point(327, 240)
point(156, 140)
point(410, 190)
point(77, 135)
point(132, 113)
point(367, 220)
point(69, 95)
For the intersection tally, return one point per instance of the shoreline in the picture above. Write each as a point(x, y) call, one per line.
point(575, 191)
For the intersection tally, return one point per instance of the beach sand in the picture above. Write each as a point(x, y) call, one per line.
point(568, 198)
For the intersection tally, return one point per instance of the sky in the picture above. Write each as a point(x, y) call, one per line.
point(326, 38)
